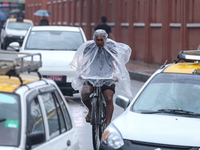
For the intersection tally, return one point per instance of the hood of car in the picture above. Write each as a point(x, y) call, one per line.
point(54, 58)
point(16, 32)
point(159, 128)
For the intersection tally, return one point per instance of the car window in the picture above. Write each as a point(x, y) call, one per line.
point(19, 25)
point(170, 91)
point(60, 114)
point(54, 40)
point(53, 114)
point(9, 119)
point(65, 111)
point(35, 121)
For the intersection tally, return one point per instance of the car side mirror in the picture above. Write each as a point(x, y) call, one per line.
point(15, 46)
point(35, 138)
point(122, 101)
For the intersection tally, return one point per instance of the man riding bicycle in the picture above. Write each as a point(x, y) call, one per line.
point(101, 58)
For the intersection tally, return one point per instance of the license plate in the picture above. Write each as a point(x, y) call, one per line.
point(55, 78)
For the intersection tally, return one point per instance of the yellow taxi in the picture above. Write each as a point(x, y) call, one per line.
point(14, 30)
point(33, 112)
point(165, 113)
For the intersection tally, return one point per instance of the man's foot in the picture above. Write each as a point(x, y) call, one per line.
point(88, 118)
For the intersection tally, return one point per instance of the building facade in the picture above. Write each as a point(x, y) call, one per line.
point(156, 30)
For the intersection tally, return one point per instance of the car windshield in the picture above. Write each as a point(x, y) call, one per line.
point(9, 119)
point(53, 40)
point(19, 25)
point(170, 93)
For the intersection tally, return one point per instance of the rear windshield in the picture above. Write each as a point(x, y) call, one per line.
point(9, 119)
point(54, 40)
point(19, 25)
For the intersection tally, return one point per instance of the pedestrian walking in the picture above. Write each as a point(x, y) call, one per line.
point(44, 22)
point(103, 25)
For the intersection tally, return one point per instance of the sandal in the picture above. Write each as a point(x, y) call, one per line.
point(88, 119)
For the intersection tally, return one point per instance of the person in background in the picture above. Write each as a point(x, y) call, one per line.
point(44, 22)
point(105, 27)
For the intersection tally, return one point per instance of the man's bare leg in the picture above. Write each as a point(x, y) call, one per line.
point(85, 94)
point(108, 95)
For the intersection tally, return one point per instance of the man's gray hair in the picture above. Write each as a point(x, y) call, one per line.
point(102, 33)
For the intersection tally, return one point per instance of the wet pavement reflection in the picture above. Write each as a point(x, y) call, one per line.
point(79, 111)
point(84, 129)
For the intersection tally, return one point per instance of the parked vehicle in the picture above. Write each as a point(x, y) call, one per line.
point(14, 30)
point(57, 44)
point(165, 113)
point(33, 112)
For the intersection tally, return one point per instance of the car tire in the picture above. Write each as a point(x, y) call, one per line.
point(1, 45)
point(4, 46)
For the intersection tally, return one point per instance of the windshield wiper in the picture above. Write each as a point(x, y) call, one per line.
point(69, 49)
point(149, 112)
point(178, 111)
point(2, 119)
point(172, 111)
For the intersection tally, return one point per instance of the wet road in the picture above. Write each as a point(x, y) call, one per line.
point(79, 111)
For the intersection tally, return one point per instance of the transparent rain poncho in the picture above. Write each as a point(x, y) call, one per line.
point(104, 65)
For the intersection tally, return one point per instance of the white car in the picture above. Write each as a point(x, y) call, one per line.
point(57, 44)
point(165, 113)
point(14, 30)
point(33, 111)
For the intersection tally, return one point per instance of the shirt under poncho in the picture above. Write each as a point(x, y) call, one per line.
point(103, 63)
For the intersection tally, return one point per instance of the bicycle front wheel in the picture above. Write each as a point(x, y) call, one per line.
point(103, 118)
point(96, 116)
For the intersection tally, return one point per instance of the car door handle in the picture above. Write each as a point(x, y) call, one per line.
point(68, 143)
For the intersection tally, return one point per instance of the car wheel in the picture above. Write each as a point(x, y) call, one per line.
point(4, 46)
point(1, 45)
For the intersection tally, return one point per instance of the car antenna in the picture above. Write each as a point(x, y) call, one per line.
point(164, 64)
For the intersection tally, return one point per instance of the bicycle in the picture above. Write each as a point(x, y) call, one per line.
point(98, 117)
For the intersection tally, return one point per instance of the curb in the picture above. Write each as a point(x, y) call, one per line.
point(142, 77)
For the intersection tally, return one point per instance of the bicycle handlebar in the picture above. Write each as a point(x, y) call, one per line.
point(97, 78)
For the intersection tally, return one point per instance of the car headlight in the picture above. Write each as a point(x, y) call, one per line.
point(112, 137)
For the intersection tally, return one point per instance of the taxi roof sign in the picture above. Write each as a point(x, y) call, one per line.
point(19, 20)
point(191, 55)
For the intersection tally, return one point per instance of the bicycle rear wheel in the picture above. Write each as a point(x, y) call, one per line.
point(96, 116)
